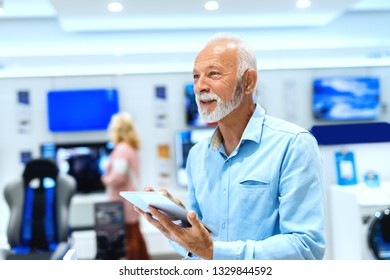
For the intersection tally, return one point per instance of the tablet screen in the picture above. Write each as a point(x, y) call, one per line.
point(160, 201)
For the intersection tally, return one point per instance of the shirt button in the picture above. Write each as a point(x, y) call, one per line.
point(223, 225)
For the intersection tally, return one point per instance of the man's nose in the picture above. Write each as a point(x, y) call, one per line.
point(201, 85)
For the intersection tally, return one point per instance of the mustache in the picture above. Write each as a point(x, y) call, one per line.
point(205, 97)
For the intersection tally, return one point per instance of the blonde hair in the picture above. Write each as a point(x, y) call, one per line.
point(121, 129)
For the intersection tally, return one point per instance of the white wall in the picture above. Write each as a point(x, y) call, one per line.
point(284, 93)
point(136, 96)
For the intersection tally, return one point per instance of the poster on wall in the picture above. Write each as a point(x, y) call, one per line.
point(163, 160)
point(161, 106)
point(346, 168)
point(25, 156)
point(24, 112)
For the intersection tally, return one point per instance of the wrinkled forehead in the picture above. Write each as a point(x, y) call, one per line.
point(222, 53)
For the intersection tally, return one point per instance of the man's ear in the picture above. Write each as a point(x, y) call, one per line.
point(249, 81)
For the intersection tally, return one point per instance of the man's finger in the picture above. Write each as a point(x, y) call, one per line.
point(194, 221)
point(176, 200)
point(148, 189)
point(165, 221)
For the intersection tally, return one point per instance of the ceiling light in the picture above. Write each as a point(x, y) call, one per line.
point(115, 7)
point(303, 4)
point(211, 5)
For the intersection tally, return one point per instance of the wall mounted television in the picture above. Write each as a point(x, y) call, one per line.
point(193, 118)
point(346, 98)
point(81, 109)
point(184, 141)
point(86, 162)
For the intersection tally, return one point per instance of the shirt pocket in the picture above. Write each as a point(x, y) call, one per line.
point(255, 182)
point(253, 196)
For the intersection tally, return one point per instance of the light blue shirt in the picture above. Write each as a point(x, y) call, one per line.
point(266, 199)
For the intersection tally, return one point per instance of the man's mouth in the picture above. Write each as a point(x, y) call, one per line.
point(207, 103)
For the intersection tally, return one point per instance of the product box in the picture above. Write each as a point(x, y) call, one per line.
point(346, 170)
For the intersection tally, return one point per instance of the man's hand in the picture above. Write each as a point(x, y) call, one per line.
point(195, 239)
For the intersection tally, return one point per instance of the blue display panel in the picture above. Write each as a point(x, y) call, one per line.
point(356, 133)
point(346, 98)
point(81, 110)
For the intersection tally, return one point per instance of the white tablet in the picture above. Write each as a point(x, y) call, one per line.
point(160, 201)
point(163, 203)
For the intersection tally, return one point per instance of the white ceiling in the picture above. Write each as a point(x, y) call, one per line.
point(73, 37)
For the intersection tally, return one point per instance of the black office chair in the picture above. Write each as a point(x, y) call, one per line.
point(39, 203)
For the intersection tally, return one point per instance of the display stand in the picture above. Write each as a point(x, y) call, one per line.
point(353, 208)
point(110, 230)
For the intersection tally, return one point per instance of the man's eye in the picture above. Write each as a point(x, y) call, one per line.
point(195, 76)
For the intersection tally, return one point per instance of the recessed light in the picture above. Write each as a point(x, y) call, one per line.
point(115, 7)
point(211, 5)
point(303, 4)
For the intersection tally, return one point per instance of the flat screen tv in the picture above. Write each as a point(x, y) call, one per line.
point(346, 98)
point(184, 141)
point(193, 118)
point(81, 110)
point(86, 162)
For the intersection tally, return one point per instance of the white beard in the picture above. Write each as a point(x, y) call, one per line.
point(223, 108)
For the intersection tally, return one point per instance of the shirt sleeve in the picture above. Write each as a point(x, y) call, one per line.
point(193, 205)
point(123, 166)
point(118, 174)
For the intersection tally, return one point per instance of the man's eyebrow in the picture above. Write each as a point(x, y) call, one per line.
point(213, 67)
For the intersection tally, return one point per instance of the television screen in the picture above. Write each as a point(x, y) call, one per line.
point(192, 115)
point(346, 98)
point(184, 140)
point(81, 110)
point(86, 162)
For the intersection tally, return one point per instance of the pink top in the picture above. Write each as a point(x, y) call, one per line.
point(122, 174)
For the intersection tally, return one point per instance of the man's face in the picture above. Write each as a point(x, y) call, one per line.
point(215, 81)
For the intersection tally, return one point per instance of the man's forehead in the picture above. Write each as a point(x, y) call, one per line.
point(219, 53)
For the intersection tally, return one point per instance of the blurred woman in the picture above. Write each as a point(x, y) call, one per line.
point(122, 174)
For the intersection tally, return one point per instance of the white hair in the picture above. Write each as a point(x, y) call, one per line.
point(246, 56)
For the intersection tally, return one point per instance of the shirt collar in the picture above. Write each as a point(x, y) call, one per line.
point(216, 139)
point(252, 131)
